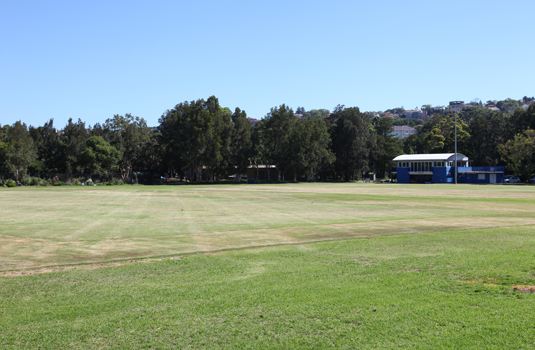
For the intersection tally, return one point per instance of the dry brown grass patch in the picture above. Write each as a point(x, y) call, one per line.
point(524, 289)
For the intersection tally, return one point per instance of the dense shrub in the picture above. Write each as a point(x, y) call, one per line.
point(10, 183)
point(58, 183)
point(74, 181)
point(35, 181)
point(26, 181)
point(117, 182)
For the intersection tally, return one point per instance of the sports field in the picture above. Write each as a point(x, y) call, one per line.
point(268, 266)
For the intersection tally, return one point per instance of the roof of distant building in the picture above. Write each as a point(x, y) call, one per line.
point(431, 157)
point(403, 128)
point(254, 121)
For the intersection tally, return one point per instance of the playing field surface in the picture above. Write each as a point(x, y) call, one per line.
point(46, 227)
point(278, 266)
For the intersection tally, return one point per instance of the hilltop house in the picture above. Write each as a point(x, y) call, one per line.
point(402, 131)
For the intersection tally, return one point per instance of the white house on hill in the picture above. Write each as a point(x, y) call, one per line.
point(402, 131)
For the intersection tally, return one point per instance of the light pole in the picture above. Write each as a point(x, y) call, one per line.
point(456, 148)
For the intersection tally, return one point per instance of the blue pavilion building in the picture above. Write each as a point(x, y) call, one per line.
point(440, 168)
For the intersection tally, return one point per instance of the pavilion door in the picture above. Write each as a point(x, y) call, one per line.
point(492, 178)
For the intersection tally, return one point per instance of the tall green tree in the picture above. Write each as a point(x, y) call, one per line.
point(522, 120)
point(218, 154)
point(241, 147)
point(183, 131)
point(441, 138)
point(258, 152)
point(18, 150)
point(72, 143)
point(194, 134)
point(278, 127)
point(388, 146)
point(315, 147)
point(488, 130)
point(353, 141)
point(519, 154)
point(99, 157)
point(47, 141)
point(131, 137)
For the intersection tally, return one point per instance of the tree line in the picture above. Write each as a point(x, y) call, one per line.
point(202, 141)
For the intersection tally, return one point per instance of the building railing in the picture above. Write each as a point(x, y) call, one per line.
point(486, 169)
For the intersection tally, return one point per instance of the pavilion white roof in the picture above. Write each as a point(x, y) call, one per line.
point(430, 157)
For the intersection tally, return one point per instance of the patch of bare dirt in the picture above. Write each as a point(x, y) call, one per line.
point(80, 267)
point(524, 289)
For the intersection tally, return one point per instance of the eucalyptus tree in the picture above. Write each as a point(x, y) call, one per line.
point(278, 127)
point(353, 141)
point(241, 146)
point(72, 143)
point(519, 154)
point(487, 131)
point(316, 142)
point(258, 153)
point(522, 120)
point(219, 135)
point(388, 145)
point(441, 139)
point(47, 141)
point(99, 157)
point(131, 137)
point(18, 149)
point(183, 131)
point(193, 135)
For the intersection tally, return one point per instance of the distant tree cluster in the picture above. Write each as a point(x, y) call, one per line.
point(200, 138)
point(121, 145)
point(203, 141)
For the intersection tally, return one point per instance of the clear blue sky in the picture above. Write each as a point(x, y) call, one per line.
point(93, 59)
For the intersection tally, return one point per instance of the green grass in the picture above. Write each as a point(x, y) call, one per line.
point(43, 227)
point(351, 266)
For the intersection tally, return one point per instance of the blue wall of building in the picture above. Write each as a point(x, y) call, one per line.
point(474, 178)
point(403, 175)
point(446, 175)
point(440, 175)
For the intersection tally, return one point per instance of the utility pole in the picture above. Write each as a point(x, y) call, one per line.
point(456, 148)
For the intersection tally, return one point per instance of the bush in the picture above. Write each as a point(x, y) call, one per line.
point(117, 182)
point(10, 183)
point(58, 183)
point(74, 182)
point(35, 181)
point(89, 182)
point(26, 181)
